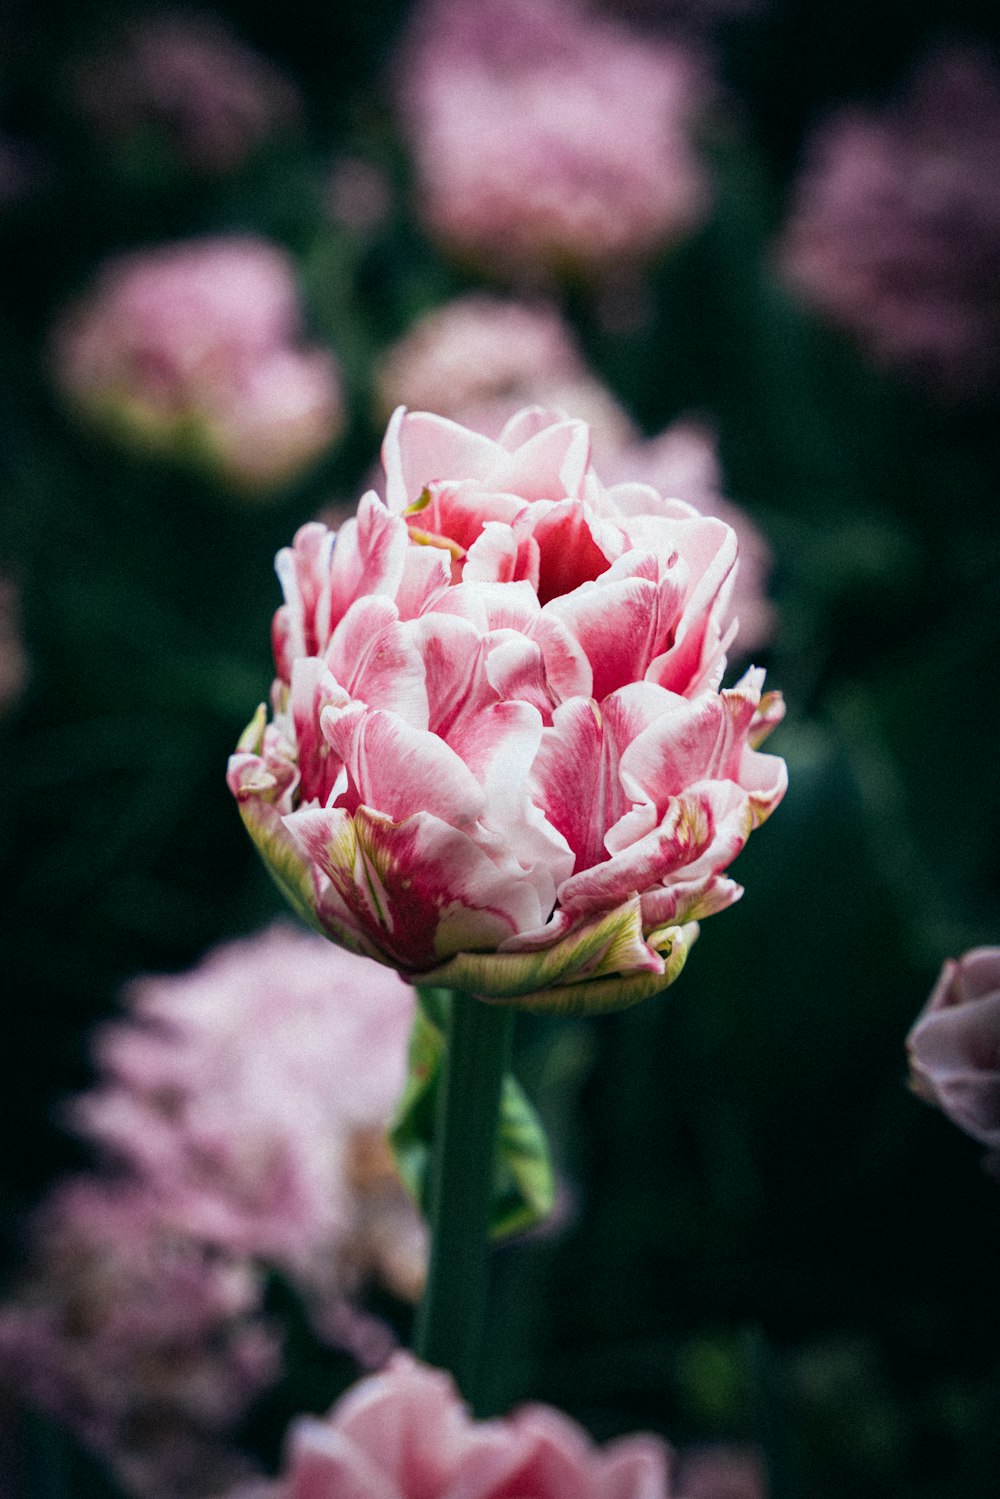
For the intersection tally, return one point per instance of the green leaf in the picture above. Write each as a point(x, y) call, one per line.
point(524, 1186)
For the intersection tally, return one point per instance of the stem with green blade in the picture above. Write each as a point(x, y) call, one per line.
point(452, 1313)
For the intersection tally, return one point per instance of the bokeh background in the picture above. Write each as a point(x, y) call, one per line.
point(764, 1240)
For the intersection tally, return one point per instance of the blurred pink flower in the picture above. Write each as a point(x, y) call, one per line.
point(683, 462)
point(531, 155)
point(404, 1434)
point(453, 665)
point(185, 78)
point(146, 1342)
point(954, 1046)
point(252, 1095)
point(894, 230)
point(193, 349)
point(480, 358)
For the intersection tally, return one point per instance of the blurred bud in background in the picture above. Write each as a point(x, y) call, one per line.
point(894, 231)
point(481, 358)
point(242, 1110)
point(180, 85)
point(193, 351)
point(954, 1047)
point(533, 154)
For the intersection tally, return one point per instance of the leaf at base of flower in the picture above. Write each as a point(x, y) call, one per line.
point(524, 1185)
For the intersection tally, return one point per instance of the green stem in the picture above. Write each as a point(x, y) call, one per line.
point(452, 1313)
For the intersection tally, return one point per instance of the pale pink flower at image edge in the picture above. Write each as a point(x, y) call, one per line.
point(497, 633)
point(954, 1047)
point(894, 230)
point(530, 155)
point(404, 1434)
point(194, 350)
point(147, 1344)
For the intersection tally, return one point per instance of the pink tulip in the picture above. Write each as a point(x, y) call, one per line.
point(530, 152)
point(499, 758)
point(955, 1045)
point(404, 1434)
point(895, 227)
point(194, 350)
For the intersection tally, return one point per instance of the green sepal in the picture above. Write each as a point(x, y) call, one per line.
point(524, 1184)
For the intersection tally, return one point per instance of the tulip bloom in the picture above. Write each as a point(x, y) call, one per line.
point(499, 758)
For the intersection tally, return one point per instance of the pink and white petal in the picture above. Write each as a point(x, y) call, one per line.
point(323, 1461)
point(515, 669)
point(770, 712)
point(376, 658)
point(575, 782)
point(419, 889)
point(499, 745)
point(575, 545)
point(452, 653)
point(400, 770)
point(501, 555)
point(369, 556)
point(413, 1418)
point(567, 669)
point(426, 576)
point(635, 1467)
point(688, 900)
point(550, 464)
point(459, 509)
point(301, 626)
point(691, 740)
point(421, 448)
point(633, 499)
point(615, 622)
point(765, 780)
point(314, 688)
point(685, 833)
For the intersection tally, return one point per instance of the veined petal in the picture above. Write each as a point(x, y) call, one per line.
point(400, 770)
point(686, 831)
point(548, 463)
point(420, 890)
point(282, 859)
point(302, 625)
point(369, 556)
point(420, 448)
point(377, 660)
point(576, 974)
